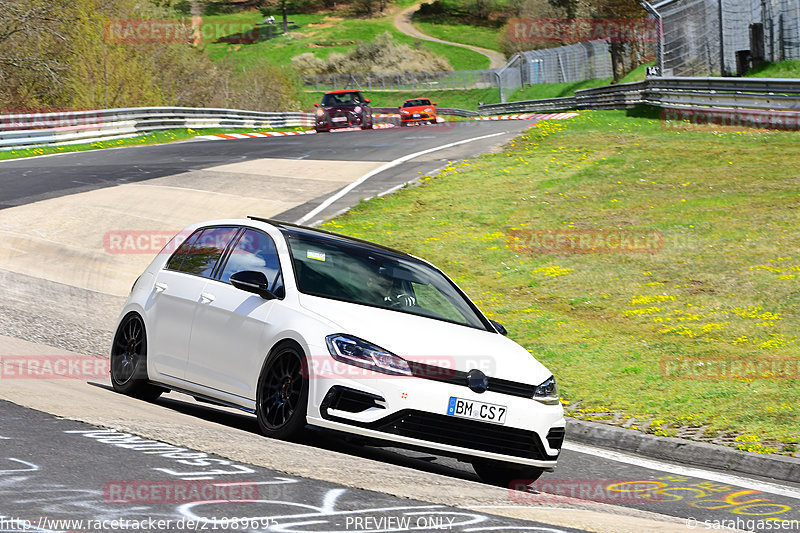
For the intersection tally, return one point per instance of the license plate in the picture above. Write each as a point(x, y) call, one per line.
point(339, 119)
point(416, 115)
point(485, 412)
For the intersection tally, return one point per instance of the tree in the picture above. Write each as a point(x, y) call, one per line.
point(267, 7)
point(32, 37)
point(620, 49)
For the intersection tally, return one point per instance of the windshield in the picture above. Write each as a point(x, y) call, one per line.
point(367, 276)
point(337, 99)
point(417, 103)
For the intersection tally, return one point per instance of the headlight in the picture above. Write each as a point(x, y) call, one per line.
point(404, 112)
point(429, 110)
point(358, 109)
point(320, 113)
point(547, 392)
point(354, 351)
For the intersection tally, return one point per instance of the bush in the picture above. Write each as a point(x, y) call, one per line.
point(71, 63)
point(383, 55)
point(261, 87)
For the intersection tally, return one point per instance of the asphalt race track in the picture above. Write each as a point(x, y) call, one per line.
point(66, 444)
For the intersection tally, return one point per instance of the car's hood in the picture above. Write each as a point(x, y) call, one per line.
point(342, 108)
point(418, 109)
point(432, 341)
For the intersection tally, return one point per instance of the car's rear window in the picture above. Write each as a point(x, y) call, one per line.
point(337, 99)
point(352, 273)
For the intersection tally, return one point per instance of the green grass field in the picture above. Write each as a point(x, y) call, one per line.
point(613, 326)
point(783, 69)
point(482, 36)
point(322, 34)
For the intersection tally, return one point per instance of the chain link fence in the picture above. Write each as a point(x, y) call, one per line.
point(572, 63)
point(562, 64)
point(726, 37)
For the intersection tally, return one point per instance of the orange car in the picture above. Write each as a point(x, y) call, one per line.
point(417, 110)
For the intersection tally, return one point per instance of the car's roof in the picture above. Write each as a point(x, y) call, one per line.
point(295, 230)
point(418, 98)
point(339, 91)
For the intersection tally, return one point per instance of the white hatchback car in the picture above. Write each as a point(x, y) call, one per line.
point(306, 327)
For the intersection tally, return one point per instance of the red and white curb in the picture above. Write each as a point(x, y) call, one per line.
point(530, 116)
point(253, 135)
point(396, 117)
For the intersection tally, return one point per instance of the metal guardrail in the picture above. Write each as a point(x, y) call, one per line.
point(452, 111)
point(730, 93)
point(27, 130)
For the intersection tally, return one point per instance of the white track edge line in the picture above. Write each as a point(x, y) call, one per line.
point(383, 167)
point(654, 464)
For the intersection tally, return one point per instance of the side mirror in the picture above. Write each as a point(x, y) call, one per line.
point(434, 103)
point(399, 107)
point(316, 104)
point(367, 100)
point(497, 325)
point(253, 281)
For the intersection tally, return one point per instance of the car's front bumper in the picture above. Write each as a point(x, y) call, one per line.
point(412, 412)
point(410, 119)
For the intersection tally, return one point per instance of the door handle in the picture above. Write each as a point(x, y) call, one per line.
point(207, 297)
point(161, 287)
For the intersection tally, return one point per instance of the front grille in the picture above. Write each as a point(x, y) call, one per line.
point(469, 434)
point(511, 388)
point(458, 377)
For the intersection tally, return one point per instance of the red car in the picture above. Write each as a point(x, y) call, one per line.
point(417, 111)
point(343, 109)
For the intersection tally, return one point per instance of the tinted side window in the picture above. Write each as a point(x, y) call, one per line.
point(206, 250)
point(255, 251)
point(175, 261)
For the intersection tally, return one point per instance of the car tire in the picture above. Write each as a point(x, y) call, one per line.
point(129, 360)
point(282, 393)
point(505, 474)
